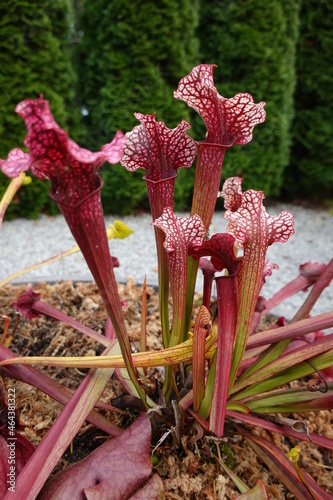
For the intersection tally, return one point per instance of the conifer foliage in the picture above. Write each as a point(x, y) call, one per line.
point(130, 56)
point(34, 60)
point(130, 59)
point(311, 169)
point(253, 42)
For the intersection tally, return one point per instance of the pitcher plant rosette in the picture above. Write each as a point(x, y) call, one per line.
point(217, 375)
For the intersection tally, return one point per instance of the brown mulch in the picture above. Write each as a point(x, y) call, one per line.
point(188, 471)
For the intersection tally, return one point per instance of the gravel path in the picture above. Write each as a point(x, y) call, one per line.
point(26, 242)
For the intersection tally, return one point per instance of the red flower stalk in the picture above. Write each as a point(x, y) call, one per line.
point(254, 231)
point(160, 151)
point(221, 249)
point(75, 186)
point(30, 306)
point(309, 273)
point(208, 271)
point(228, 122)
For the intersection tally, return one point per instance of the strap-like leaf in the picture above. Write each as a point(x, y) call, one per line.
point(283, 469)
point(323, 441)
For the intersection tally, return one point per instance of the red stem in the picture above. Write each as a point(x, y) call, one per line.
point(227, 291)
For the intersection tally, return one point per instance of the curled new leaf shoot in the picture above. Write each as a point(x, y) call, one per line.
point(208, 271)
point(199, 337)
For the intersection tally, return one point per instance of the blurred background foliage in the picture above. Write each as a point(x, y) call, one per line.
point(310, 170)
point(254, 42)
point(35, 58)
point(99, 62)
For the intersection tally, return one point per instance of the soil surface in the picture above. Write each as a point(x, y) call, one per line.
point(189, 471)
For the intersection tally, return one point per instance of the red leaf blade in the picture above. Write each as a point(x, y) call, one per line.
point(116, 468)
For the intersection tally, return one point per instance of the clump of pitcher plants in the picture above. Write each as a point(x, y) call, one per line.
point(240, 378)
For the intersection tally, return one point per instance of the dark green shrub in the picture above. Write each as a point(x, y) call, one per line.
point(253, 43)
point(34, 59)
point(123, 192)
point(311, 171)
point(131, 58)
point(30, 200)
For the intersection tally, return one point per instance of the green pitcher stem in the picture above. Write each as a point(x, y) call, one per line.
point(163, 285)
point(192, 268)
point(9, 194)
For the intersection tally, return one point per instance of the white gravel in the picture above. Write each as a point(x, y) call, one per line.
point(26, 242)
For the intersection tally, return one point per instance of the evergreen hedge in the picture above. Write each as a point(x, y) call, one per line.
point(311, 171)
point(34, 60)
point(131, 58)
point(253, 43)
